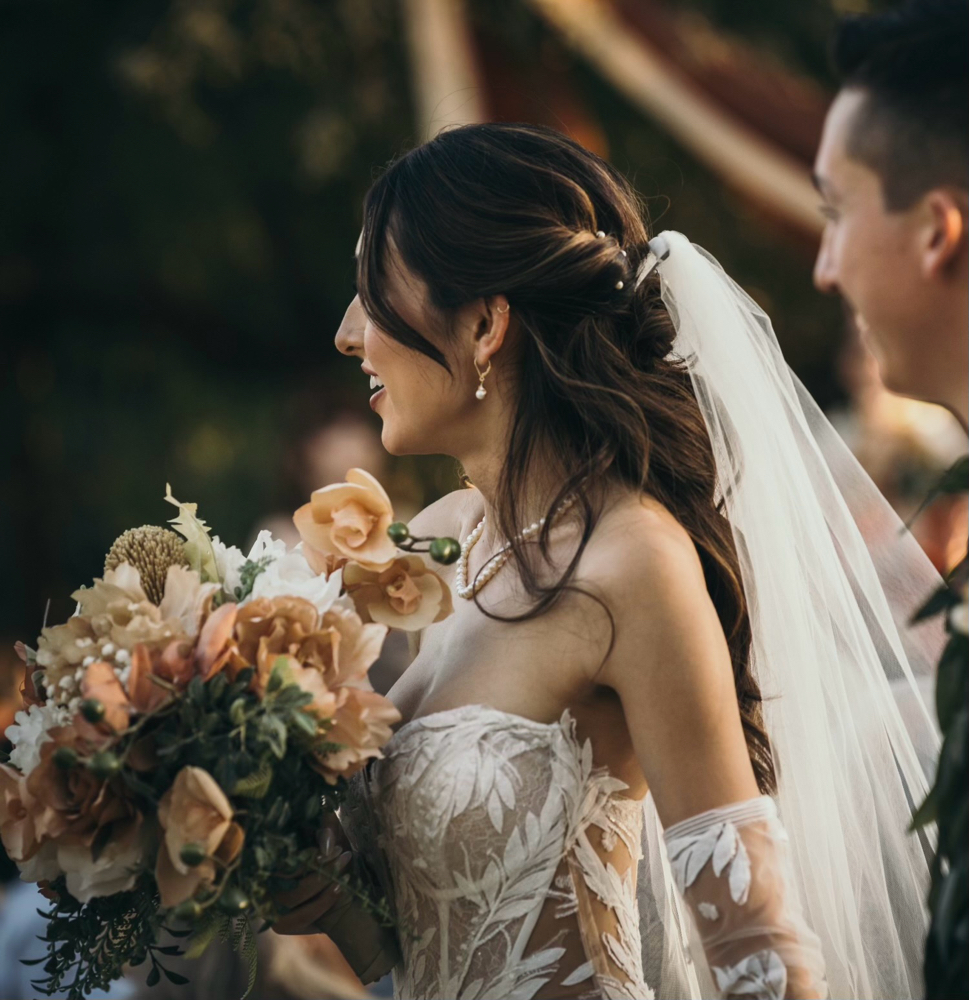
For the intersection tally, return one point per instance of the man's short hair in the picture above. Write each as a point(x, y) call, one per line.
point(912, 63)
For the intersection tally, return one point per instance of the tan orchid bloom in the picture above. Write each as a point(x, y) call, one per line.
point(144, 693)
point(406, 595)
point(101, 683)
point(194, 810)
point(349, 521)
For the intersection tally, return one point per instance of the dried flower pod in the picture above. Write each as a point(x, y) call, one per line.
point(151, 550)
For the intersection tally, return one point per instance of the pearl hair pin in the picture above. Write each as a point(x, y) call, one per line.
point(491, 567)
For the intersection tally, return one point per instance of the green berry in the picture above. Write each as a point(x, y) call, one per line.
point(188, 911)
point(92, 710)
point(233, 900)
point(445, 550)
point(104, 764)
point(192, 854)
point(398, 532)
point(65, 757)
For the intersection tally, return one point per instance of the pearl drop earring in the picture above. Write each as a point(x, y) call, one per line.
point(482, 391)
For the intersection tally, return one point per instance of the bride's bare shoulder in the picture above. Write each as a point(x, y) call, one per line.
point(640, 546)
point(450, 516)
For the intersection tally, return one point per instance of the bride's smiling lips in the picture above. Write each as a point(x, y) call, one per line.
point(375, 383)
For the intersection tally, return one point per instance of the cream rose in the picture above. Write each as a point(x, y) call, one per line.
point(406, 595)
point(347, 521)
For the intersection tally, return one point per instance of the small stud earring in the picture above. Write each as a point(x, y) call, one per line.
point(505, 309)
point(482, 391)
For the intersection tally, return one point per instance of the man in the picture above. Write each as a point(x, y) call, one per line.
point(893, 173)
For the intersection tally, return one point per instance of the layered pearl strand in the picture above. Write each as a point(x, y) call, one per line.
point(468, 591)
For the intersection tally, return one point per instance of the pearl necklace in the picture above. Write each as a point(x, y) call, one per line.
point(468, 591)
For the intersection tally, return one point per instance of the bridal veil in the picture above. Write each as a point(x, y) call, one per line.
point(831, 578)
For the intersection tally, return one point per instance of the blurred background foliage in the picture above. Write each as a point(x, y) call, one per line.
point(180, 192)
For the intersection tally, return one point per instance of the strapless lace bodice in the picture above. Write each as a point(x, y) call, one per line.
point(510, 860)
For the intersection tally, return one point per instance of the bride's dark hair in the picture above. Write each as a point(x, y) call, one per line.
point(508, 209)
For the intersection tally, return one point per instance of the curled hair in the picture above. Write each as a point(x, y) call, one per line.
point(507, 209)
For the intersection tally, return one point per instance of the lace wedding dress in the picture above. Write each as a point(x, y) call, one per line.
point(511, 864)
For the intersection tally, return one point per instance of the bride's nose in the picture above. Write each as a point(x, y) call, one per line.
point(349, 337)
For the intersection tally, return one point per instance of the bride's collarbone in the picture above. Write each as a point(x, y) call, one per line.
point(523, 668)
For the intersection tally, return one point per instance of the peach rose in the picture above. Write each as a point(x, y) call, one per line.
point(194, 810)
point(406, 595)
point(72, 804)
point(361, 727)
point(337, 644)
point(347, 521)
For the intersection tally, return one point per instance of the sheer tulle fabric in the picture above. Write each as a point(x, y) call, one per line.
point(831, 578)
point(731, 865)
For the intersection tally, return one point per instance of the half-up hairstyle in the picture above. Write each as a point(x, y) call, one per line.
point(492, 209)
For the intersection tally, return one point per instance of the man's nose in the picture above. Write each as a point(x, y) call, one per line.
point(349, 337)
point(824, 272)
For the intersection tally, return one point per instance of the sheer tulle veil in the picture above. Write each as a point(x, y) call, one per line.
point(831, 578)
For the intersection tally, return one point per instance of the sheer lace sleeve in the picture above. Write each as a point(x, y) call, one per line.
point(731, 866)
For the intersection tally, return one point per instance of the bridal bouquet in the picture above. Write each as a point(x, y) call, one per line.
point(186, 729)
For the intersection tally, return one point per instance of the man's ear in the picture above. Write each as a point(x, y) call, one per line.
point(946, 231)
point(491, 329)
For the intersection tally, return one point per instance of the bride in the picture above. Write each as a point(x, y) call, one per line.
point(655, 750)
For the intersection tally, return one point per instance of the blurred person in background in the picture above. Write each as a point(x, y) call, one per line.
point(893, 170)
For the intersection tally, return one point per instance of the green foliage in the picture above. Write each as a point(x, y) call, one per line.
point(259, 750)
point(251, 568)
point(88, 944)
point(947, 803)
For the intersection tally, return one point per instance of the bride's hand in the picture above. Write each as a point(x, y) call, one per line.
point(320, 905)
point(317, 894)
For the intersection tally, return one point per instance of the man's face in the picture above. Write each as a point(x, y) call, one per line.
point(870, 255)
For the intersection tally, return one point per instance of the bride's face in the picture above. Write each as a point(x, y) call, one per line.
point(424, 408)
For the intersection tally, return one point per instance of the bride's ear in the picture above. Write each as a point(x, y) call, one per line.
point(491, 328)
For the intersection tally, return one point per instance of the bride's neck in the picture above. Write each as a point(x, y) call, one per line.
point(535, 493)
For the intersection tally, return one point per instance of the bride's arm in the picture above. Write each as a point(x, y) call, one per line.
point(671, 668)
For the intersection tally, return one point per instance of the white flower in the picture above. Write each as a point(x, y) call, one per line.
point(41, 865)
point(266, 545)
point(291, 576)
point(229, 561)
point(115, 869)
point(29, 733)
point(959, 618)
